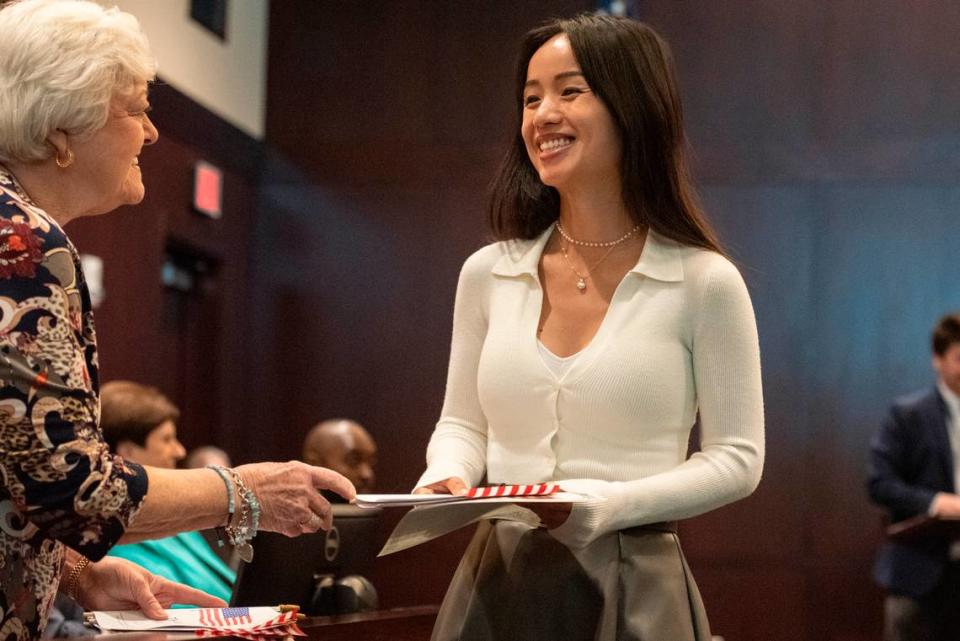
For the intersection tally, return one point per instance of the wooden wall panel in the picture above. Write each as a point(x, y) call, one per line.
point(829, 162)
point(753, 601)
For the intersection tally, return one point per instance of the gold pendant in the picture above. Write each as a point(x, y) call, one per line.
point(581, 284)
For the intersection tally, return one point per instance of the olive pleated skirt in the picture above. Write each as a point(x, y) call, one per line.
point(515, 583)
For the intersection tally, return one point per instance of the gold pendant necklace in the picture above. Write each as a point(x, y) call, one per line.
point(582, 278)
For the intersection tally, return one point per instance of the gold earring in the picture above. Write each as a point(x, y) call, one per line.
point(64, 163)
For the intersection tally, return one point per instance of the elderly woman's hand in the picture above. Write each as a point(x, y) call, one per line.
point(289, 495)
point(118, 584)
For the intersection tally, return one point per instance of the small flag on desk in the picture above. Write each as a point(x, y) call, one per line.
point(224, 616)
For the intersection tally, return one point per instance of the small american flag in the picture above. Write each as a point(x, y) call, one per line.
point(216, 617)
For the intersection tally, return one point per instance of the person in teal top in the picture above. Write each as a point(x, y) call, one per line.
point(186, 558)
point(139, 423)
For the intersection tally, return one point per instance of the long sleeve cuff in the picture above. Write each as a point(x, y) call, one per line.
point(593, 518)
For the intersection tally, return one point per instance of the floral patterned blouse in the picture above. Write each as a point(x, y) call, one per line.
point(60, 484)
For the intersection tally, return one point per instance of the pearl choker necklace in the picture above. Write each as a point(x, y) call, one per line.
point(586, 243)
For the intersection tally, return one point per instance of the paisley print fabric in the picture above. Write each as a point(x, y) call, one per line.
point(59, 484)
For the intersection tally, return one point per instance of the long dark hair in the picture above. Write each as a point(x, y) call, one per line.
point(630, 68)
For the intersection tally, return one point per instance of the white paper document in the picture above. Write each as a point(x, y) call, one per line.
point(422, 524)
point(433, 518)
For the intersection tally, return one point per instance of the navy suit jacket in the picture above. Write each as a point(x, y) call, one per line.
point(910, 461)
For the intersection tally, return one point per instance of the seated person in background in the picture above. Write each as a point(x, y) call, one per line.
point(206, 455)
point(344, 446)
point(914, 468)
point(139, 423)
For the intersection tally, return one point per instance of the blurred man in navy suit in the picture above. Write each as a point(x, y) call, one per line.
point(914, 465)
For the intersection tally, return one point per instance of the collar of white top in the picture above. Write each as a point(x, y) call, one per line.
point(659, 259)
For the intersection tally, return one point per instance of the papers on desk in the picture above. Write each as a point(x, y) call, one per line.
point(248, 622)
point(437, 514)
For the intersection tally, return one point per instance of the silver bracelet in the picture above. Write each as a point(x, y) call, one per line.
point(247, 510)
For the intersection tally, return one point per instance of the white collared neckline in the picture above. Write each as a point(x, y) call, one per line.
point(659, 259)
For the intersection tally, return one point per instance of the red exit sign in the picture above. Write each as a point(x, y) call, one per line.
point(208, 189)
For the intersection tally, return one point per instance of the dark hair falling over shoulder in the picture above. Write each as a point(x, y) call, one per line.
point(630, 68)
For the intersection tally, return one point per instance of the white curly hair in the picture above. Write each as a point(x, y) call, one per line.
point(61, 64)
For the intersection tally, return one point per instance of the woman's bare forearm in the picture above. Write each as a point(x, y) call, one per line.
point(285, 495)
point(179, 501)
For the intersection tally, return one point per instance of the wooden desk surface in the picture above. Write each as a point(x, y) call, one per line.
point(398, 624)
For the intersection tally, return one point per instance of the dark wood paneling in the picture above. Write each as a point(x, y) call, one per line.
point(753, 601)
point(828, 154)
point(382, 72)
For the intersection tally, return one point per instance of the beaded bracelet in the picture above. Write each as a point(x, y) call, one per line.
point(73, 579)
point(231, 499)
point(248, 521)
point(231, 495)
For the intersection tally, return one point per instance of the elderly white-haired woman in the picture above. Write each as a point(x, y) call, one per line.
point(73, 121)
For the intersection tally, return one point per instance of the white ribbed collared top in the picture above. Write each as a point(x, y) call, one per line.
point(679, 336)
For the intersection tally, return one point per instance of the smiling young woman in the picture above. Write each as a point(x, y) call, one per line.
point(569, 134)
point(586, 344)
